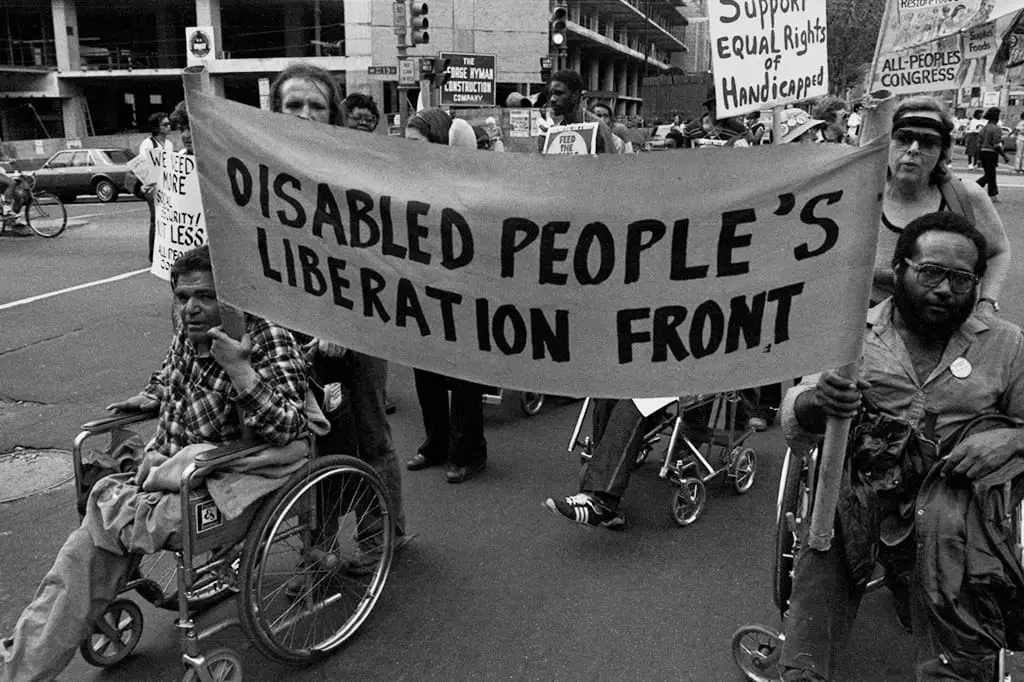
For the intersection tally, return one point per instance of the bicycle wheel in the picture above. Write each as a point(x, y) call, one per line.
point(46, 215)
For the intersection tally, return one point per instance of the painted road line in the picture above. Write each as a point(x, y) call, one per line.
point(93, 215)
point(40, 297)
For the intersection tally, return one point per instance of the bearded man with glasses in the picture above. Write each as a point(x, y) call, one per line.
point(919, 182)
point(931, 363)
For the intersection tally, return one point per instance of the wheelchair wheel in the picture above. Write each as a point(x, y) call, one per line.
point(531, 403)
point(756, 650)
point(316, 559)
point(688, 501)
point(222, 665)
point(794, 497)
point(744, 470)
point(114, 636)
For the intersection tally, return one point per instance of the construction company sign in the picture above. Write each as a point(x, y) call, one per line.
point(471, 80)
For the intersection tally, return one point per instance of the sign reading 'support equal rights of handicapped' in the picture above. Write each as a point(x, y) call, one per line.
point(544, 273)
point(767, 52)
point(471, 81)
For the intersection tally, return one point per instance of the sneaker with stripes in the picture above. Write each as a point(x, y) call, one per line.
point(587, 510)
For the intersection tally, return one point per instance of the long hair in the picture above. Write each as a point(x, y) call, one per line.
point(314, 74)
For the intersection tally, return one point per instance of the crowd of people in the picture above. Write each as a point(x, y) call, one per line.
point(936, 355)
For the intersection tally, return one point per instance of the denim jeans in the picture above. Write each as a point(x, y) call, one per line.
point(368, 434)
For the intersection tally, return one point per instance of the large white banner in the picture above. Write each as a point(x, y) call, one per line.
point(767, 52)
point(545, 272)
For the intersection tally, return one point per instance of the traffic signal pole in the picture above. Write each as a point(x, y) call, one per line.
point(401, 23)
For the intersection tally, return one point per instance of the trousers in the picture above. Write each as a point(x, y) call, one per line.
point(90, 567)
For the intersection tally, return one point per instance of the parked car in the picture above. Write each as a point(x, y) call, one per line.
point(1009, 140)
point(657, 139)
point(100, 172)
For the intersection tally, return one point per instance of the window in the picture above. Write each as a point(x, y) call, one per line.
point(61, 160)
point(81, 159)
point(116, 155)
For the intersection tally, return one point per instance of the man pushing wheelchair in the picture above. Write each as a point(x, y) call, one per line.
point(206, 380)
point(932, 474)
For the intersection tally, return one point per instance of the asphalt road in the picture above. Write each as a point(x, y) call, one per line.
point(494, 587)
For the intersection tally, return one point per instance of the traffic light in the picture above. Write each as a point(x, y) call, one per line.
point(559, 28)
point(418, 23)
point(441, 74)
point(545, 69)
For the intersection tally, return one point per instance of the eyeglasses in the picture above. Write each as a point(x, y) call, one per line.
point(931, 276)
point(926, 142)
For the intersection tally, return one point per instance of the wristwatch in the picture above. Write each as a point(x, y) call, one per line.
point(992, 301)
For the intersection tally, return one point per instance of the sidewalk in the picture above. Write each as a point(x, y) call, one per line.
point(959, 164)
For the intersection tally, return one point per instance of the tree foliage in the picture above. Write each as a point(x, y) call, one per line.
point(853, 27)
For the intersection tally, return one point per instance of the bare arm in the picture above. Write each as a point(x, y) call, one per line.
point(990, 224)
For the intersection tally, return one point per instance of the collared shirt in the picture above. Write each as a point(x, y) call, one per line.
point(199, 404)
point(988, 377)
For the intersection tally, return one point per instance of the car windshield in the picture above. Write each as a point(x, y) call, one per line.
point(117, 155)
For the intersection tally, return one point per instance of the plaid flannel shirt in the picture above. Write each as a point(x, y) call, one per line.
point(199, 404)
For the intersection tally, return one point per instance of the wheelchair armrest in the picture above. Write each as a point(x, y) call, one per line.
point(119, 419)
point(225, 454)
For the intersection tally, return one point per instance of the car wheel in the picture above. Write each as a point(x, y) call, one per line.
point(105, 191)
point(68, 197)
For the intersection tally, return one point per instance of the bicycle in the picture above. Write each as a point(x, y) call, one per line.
point(44, 212)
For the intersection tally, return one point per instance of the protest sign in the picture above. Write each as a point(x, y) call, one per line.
point(934, 45)
point(180, 219)
point(543, 273)
point(571, 140)
point(519, 122)
point(765, 54)
point(471, 80)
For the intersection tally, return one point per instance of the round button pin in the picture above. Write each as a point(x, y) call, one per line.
point(961, 368)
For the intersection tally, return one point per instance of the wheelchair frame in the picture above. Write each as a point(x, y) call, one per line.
point(756, 648)
point(229, 542)
point(686, 465)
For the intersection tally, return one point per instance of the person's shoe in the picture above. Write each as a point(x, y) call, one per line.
point(757, 424)
point(420, 461)
point(458, 474)
point(389, 407)
point(587, 510)
point(996, 200)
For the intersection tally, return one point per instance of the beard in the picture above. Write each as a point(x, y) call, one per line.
point(912, 312)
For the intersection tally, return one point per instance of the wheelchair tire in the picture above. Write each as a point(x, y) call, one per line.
point(115, 635)
point(793, 494)
point(308, 581)
point(531, 403)
point(744, 470)
point(688, 500)
point(222, 665)
point(756, 650)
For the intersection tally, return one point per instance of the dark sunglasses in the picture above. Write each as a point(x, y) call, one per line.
point(931, 276)
point(928, 142)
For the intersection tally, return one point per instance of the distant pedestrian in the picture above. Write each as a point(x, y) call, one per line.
point(159, 126)
point(990, 148)
point(1019, 131)
point(974, 127)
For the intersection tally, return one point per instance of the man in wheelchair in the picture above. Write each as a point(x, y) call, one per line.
point(206, 378)
point(934, 517)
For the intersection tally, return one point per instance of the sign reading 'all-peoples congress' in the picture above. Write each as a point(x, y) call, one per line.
point(767, 52)
point(544, 272)
point(471, 81)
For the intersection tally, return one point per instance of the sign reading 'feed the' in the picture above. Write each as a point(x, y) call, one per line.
point(471, 81)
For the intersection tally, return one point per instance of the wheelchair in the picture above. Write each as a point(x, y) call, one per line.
point(704, 441)
point(306, 563)
point(528, 402)
point(756, 648)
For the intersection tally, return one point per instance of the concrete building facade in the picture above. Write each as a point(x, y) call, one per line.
point(78, 68)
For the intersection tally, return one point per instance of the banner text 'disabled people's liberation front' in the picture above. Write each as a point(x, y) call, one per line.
point(544, 273)
point(766, 53)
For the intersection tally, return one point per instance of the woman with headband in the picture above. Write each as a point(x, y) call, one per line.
point(919, 182)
